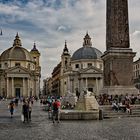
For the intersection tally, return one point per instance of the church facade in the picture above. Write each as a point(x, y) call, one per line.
point(77, 73)
point(19, 71)
point(83, 70)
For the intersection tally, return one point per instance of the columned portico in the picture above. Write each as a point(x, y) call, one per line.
point(90, 82)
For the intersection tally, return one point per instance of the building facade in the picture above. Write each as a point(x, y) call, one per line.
point(80, 72)
point(56, 80)
point(83, 71)
point(19, 71)
point(136, 73)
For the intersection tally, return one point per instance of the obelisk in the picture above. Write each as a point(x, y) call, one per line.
point(118, 57)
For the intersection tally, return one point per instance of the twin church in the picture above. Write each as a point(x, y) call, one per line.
point(20, 71)
point(77, 73)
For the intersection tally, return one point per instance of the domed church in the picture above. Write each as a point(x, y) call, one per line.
point(19, 71)
point(83, 71)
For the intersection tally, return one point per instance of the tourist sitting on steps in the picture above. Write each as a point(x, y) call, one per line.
point(128, 108)
point(115, 106)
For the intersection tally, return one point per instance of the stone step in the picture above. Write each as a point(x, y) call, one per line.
point(119, 113)
point(120, 116)
point(109, 113)
point(110, 108)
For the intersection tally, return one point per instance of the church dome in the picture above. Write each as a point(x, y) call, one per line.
point(16, 52)
point(87, 51)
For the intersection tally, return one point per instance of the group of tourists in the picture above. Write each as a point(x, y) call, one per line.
point(53, 105)
point(25, 110)
point(118, 106)
point(119, 102)
point(106, 99)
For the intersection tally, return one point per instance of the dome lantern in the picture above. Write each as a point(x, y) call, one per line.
point(87, 51)
point(17, 41)
point(87, 41)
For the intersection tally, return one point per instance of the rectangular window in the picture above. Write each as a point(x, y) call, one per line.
point(6, 65)
point(77, 66)
point(17, 64)
point(89, 64)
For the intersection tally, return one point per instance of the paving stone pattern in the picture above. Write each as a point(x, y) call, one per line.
point(43, 129)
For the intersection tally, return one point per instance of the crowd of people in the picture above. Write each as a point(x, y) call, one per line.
point(119, 102)
point(106, 99)
point(53, 105)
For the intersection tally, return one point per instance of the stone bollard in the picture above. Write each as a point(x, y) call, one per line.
point(100, 114)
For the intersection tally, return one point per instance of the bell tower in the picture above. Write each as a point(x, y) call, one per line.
point(65, 59)
point(36, 55)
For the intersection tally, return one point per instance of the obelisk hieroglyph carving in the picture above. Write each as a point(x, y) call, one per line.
point(117, 29)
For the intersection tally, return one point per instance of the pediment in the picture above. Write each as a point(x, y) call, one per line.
point(91, 70)
point(18, 70)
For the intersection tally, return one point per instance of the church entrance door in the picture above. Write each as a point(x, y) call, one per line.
point(18, 92)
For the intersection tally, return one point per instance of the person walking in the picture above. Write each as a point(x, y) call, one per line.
point(11, 108)
point(56, 111)
point(30, 110)
point(25, 111)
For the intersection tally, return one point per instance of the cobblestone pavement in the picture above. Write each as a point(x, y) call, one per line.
point(43, 129)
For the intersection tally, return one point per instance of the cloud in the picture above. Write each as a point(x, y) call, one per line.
point(50, 22)
point(136, 33)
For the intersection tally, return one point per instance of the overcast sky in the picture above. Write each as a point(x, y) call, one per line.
point(50, 22)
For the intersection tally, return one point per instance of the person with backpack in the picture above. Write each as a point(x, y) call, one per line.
point(56, 110)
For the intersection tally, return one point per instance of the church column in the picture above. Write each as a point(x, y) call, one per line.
point(97, 86)
point(79, 86)
point(68, 84)
point(8, 95)
point(13, 94)
point(82, 85)
point(28, 87)
point(24, 94)
point(86, 84)
point(72, 85)
point(34, 87)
